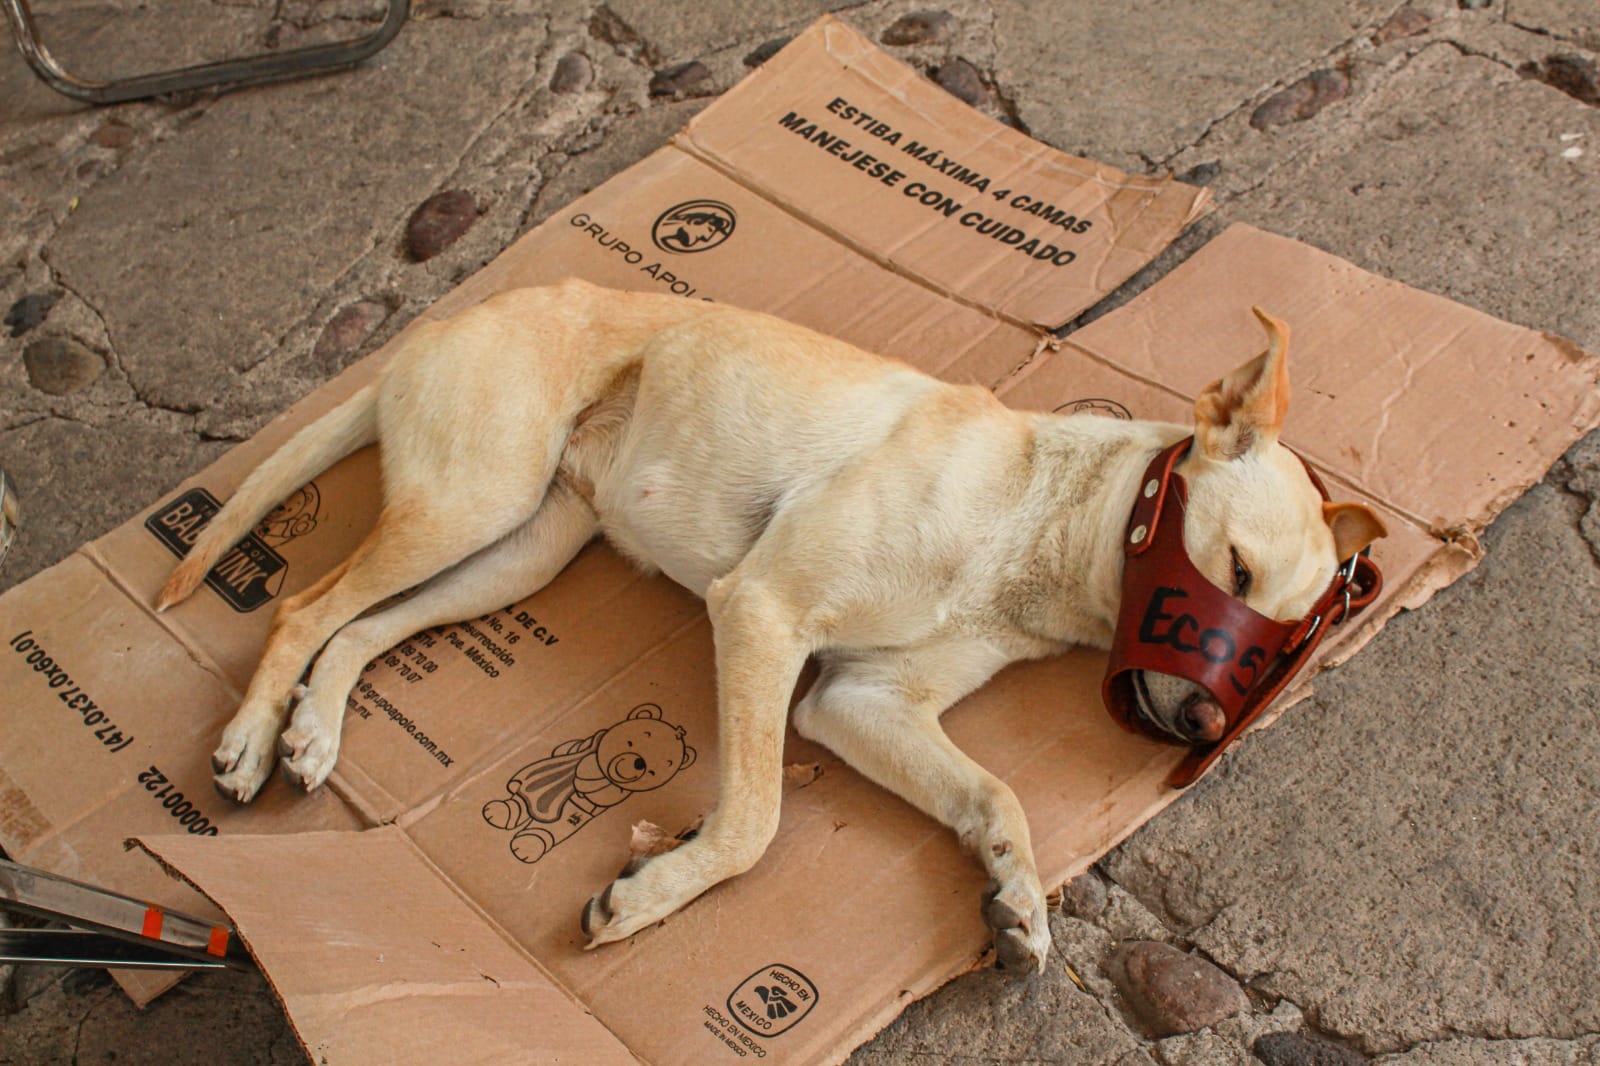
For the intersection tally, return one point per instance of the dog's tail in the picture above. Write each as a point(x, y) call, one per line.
point(351, 425)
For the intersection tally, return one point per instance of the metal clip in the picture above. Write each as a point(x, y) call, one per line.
point(1348, 572)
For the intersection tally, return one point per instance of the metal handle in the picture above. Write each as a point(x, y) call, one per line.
point(227, 73)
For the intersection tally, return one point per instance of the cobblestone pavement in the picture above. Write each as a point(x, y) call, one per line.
point(1406, 869)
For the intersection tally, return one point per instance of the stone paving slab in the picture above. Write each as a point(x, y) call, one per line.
point(1405, 869)
point(229, 276)
point(222, 1018)
point(1459, 176)
point(1429, 869)
point(1132, 87)
point(102, 41)
point(1570, 20)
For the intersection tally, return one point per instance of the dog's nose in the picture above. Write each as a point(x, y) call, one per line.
point(1204, 718)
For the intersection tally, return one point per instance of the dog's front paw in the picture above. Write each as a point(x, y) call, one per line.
point(1016, 913)
point(243, 761)
point(630, 903)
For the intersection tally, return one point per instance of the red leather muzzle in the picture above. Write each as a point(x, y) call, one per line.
point(1174, 621)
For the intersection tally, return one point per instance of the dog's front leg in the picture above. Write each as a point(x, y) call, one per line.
point(759, 655)
point(880, 713)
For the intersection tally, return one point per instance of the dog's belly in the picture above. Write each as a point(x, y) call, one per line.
point(652, 516)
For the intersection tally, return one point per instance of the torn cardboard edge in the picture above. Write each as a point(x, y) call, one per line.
point(1365, 390)
point(671, 994)
point(383, 977)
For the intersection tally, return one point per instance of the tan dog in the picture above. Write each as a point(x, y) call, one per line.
point(915, 536)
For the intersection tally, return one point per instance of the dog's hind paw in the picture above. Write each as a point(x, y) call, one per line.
point(607, 917)
point(242, 762)
point(308, 756)
point(1021, 928)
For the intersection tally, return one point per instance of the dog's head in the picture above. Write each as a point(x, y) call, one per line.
point(1255, 525)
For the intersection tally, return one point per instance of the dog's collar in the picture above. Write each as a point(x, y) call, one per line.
point(1173, 620)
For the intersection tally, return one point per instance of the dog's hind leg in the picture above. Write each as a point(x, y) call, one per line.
point(760, 649)
point(472, 416)
point(880, 713)
point(244, 753)
point(411, 543)
point(518, 565)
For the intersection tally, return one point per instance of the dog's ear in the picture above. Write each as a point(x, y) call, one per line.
point(688, 758)
point(1245, 410)
point(1354, 526)
point(645, 710)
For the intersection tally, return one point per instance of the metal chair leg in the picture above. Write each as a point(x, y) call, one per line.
point(226, 73)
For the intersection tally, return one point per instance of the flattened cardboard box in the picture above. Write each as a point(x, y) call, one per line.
point(836, 188)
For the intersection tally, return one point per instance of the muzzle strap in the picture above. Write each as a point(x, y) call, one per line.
point(1355, 587)
point(1174, 621)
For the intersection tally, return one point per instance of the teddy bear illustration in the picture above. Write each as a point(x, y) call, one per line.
point(553, 798)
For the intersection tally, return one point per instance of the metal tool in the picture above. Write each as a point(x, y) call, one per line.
point(109, 929)
point(225, 74)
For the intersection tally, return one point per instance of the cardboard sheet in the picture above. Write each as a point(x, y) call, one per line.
point(942, 194)
point(363, 987)
point(441, 930)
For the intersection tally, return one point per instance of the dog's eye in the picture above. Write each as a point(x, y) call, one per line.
point(1241, 574)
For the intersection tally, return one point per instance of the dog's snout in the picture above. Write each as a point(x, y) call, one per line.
point(1204, 718)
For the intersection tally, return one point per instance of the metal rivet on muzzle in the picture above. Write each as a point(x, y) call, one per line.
point(1139, 533)
point(1151, 487)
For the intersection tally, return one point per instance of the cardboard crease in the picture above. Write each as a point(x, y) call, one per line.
point(91, 553)
point(686, 144)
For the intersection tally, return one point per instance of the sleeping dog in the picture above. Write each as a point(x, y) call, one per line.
point(914, 536)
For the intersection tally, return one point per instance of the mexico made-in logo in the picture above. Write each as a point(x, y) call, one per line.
point(693, 226)
point(772, 1000)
